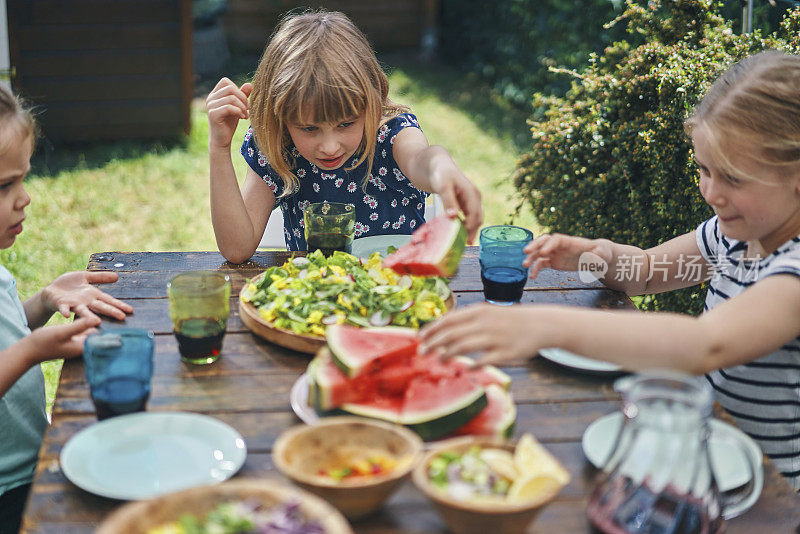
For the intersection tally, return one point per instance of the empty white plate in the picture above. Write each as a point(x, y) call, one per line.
point(363, 247)
point(728, 462)
point(581, 363)
point(143, 455)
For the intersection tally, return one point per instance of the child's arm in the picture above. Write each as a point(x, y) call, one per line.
point(674, 264)
point(57, 341)
point(74, 293)
point(751, 325)
point(239, 217)
point(432, 169)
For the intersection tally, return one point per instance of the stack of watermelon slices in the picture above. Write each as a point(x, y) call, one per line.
point(379, 373)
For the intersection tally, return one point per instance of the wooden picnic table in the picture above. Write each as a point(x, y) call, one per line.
point(248, 388)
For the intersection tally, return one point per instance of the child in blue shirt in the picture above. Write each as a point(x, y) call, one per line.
point(323, 128)
point(22, 400)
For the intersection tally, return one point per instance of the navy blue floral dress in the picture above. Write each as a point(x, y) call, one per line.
point(388, 204)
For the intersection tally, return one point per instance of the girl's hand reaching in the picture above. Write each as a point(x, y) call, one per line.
point(500, 333)
point(225, 105)
point(459, 194)
point(563, 252)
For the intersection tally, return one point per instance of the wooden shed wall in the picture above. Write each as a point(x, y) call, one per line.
point(103, 69)
point(388, 24)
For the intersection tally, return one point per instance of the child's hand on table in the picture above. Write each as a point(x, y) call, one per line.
point(74, 293)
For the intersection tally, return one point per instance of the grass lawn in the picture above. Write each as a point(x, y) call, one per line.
point(154, 195)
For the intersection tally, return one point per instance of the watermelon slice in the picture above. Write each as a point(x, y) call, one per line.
point(329, 388)
point(356, 349)
point(435, 408)
point(497, 419)
point(483, 375)
point(435, 249)
point(385, 408)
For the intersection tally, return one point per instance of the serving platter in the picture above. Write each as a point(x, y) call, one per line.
point(285, 338)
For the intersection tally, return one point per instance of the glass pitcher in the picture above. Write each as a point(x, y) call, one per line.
point(658, 477)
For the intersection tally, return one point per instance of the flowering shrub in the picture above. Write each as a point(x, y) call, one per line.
point(610, 159)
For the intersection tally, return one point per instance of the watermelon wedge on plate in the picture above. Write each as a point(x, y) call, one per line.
point(435, 249)
point(356, 349)
point(496, 419)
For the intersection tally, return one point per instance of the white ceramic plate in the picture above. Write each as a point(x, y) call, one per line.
point(364, 246)
point(143, 455)
point(298, 399)
point(581, 363)
point(727, 461)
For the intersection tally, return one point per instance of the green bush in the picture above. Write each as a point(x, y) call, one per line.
point(610, 159)
point(511, 42)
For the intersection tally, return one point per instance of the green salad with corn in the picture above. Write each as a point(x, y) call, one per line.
point(308, 293)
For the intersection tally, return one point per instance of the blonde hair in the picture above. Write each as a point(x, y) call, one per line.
point(757, 100)
point(16, 118)
point(320, 63)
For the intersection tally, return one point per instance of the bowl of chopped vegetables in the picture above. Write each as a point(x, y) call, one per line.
point(233, 507)
point(292, 304)
point(352, 462)
point(483, 484)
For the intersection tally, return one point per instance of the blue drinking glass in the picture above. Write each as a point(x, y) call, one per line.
point(119, 366)
point(501, 256)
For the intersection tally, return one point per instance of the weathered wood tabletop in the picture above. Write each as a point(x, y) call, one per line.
point(248, 388)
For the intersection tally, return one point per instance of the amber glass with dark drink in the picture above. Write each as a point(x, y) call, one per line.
point(199, 304)
point(329, 242)
point(329, 226)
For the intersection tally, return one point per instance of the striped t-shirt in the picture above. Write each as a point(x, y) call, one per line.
point(763, 395)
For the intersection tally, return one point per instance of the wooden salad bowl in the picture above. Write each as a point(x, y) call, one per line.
point(301, 452)
point(142, 516)
point(286, 338)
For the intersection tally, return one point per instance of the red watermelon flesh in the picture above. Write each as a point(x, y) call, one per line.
point(329, 388)
point(435, 249)
point(384, 407)
point(435, 408)
point(497, 419)
point(434, 366)
point(357, 350)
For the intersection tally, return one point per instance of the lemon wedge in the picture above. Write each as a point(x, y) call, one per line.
point(531, 487)
point(501, 462)
point(532, 459)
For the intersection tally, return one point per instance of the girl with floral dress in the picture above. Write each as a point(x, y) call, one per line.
point(323, 129)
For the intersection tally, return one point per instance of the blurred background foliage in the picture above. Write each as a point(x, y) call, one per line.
point(609, 157)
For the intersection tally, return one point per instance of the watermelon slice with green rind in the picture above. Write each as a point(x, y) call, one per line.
point(436, 408)
point(435, 249)
point(355, 350)
point(496, 419)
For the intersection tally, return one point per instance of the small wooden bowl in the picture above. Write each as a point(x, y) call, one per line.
point(302, 451)
point(476, 517)
point(142, 516)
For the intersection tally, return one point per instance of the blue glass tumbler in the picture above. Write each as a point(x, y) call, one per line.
point(119, 366)
point(501, 257)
